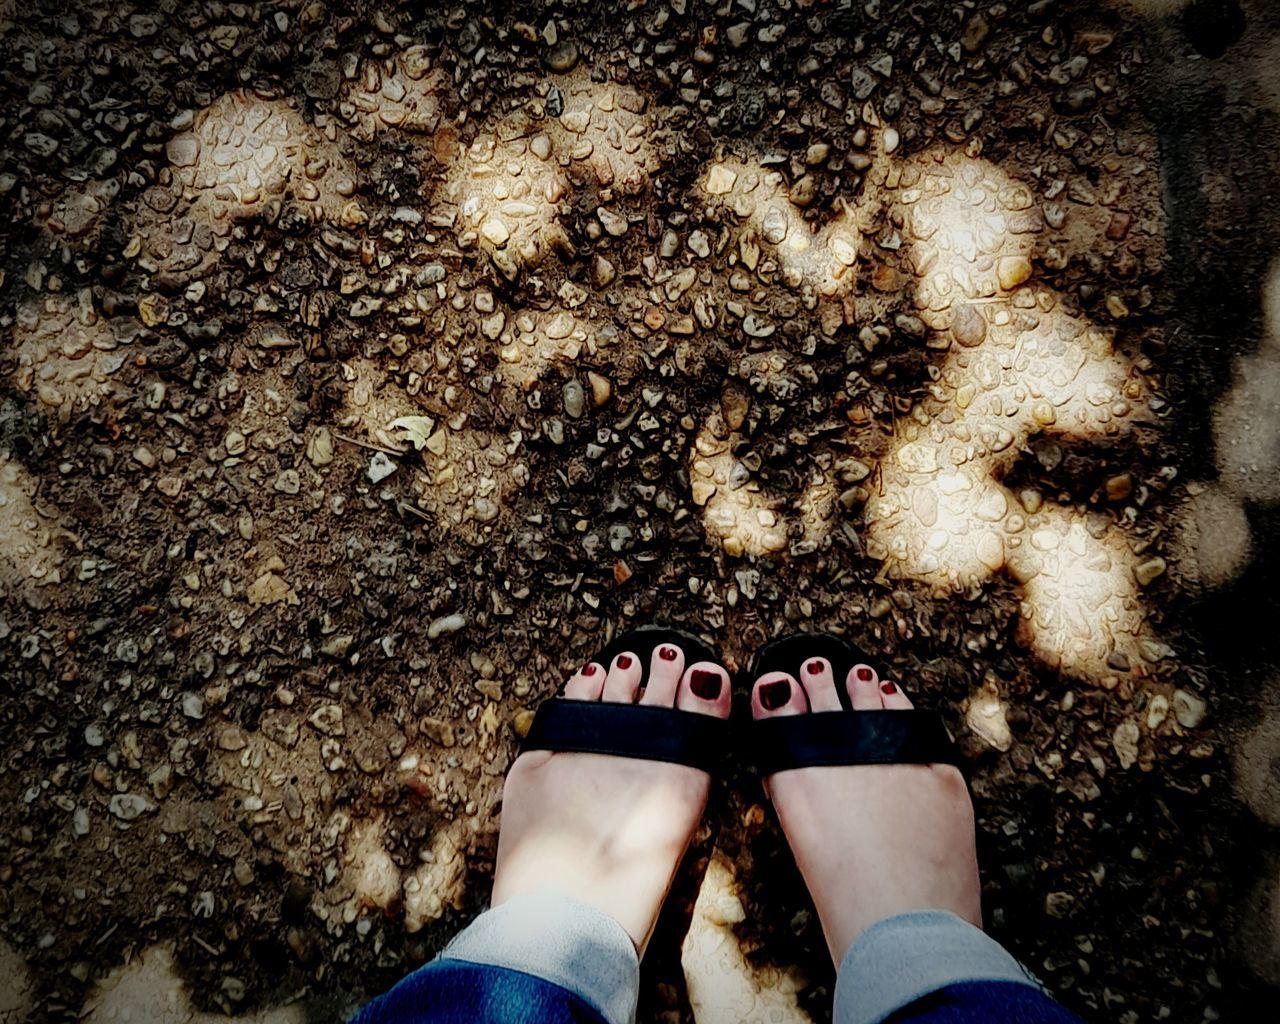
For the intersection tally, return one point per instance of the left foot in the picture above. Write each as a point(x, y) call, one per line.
point(609, 831)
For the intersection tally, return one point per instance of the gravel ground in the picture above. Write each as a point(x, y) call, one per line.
point(364, 367)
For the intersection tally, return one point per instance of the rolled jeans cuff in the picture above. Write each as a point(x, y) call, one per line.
point(570, 944)
point(904, 958)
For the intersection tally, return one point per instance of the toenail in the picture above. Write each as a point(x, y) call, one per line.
point(864, 674)
point(624, 661)
point(705, 684)
point(814, 667)
point(588, 670)
point(774, 695)
point(888, 688)
point(667, 653)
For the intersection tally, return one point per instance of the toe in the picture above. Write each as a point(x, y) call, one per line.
point(893, 698)
point(704, 688)
point(586, 683)
point(777, 693)
point(820, 685)
point(623, 680)
point(666, 666)
point(864, 688)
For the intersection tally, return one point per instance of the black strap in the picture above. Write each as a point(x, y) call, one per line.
point(826, 738)
point(831, 738)
point(628, 730)
point(634, 730)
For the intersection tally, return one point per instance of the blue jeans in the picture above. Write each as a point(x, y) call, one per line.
point(544, 959)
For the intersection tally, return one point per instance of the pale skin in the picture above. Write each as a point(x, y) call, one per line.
point(870, 840)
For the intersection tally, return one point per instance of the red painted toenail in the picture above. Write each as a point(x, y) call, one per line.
point(705, 684)
point(667, 653)
point(588, 670)
point(774, 695)
point(624, 661)
point(888, 688)
point(814, 667)
point(865, 674)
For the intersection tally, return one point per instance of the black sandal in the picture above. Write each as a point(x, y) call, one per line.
point(845, 737)
point(634, 730)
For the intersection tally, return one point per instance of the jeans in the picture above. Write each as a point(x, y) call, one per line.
point(544, 959)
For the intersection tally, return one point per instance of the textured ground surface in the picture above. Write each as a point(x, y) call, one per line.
point(363, 366)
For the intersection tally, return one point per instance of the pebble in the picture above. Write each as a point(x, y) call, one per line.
point(614, 223)
point(380, 467)
point(721, 180)
point(446, 624)
point(574, 399)
point(562, 57)
point(495, 231)
point(1013, 271)
point(968, 326)
point(601, 388)
point(1148, 571)
point(1188, 709)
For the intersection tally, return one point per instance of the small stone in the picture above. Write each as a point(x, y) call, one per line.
point(1148, 571)
point(1119, 487)
point(968, 325)
point(522, 722)
point(562, 57)
point(1188, 709)
point(540, 146)
point(183, 150)
point(1125, 743)
point(721, 180)
point(446, 624)
point(193, 706)
point(774, 226)
point(699, 244)
point(574, 399)
point(380, 467)
point(327, 720)
point(495, 231)
point(614, 223)
point(601, 388)
point(702, 492)
point(603, 272)
point(128, 806)
point(1013, 271)
point(320, 447)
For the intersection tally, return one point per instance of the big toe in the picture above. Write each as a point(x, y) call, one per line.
point(777, 693)
point(704, 688)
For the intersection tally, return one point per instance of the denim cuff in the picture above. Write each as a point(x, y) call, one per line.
point(567, 943)
point(904, 958)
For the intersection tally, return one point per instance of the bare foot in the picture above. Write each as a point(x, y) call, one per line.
point(871, 841)
point(609, 831)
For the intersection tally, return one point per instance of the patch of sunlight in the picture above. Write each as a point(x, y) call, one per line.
point(149, 988)
point(508, 189)
point(723, 987)
point(241, 157)
point(16, 988)
point(65, 354)
point(26, 537)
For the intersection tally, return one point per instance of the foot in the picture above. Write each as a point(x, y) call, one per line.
point(871, 841)
point(609, 831)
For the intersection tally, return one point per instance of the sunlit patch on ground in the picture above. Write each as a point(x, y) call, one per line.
point(244, 156)
point(151, 989)
point(723, 987)
point(509, 191)
point(67, 355)
point(27, 550)
point(15, 986)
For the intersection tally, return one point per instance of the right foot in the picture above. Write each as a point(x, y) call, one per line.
point(871, 841)
point(609, 831)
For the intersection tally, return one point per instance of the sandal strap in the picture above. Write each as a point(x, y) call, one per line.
point(628, 730)
point(634, 730)
point(830, 738)
point(847, 737)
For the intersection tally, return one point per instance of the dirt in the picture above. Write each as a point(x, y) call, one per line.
point(363, 370)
